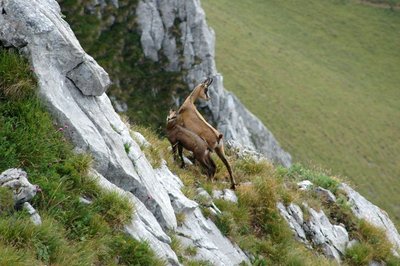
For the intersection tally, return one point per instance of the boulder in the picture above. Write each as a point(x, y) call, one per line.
point(17, 180)
point(305, 185)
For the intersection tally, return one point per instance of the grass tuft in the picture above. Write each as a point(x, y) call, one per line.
point(359, 254)
point(6, 201)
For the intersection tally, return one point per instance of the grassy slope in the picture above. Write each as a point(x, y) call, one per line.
point(72, 233)
point(255, 223)
point(324, 77)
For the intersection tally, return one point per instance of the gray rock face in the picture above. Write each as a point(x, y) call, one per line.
point(226, 194)
point(195, 54)
point(317, 230)
point(332, 238)
point(89, 78)
point(364, 209)
point(17, 181)
point(325, 194)
point(143, 226)
point(71, 86)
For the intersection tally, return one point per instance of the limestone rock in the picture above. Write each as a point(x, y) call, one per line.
point(143, 226)
point(305, 185)
point(35, 217)
point(89, 78)
point(17, 181)
point(333, 238)
point(317, 230)
point(226, 194)
point(203, 198)
point(157, 19)
point(294, 217)
point(364, 209)
point(325, 194)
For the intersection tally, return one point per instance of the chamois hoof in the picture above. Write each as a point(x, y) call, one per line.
point(233, 186)
point(183, 166)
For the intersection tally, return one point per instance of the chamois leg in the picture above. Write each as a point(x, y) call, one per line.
point(221, 154)
point(212, 167)
point(174, 147)
point(204, 162)
point(180, 151)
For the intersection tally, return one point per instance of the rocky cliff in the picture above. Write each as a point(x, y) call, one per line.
point(175, 38)
point(73, 85)
point(196, 56)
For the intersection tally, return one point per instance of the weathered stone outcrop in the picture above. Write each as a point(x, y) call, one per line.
point(72, 86)
point(333, 239)
point(316, 231)
point(22, 190)
point(17, 181)
point(364, 209)
point(178, 30)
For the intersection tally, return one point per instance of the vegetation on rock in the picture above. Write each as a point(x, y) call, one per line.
point(72, 232)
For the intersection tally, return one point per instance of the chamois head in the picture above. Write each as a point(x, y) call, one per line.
point(203, 90)
point(172, 116)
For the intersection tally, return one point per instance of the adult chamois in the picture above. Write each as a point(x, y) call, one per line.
point(190, 118)
point(180, 138)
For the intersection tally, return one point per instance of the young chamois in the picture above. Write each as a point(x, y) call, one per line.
point(190, 118)
point(180, 138)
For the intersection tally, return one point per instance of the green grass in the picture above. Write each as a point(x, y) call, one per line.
point(323, 76)
point(255, 223)
point(72, 233)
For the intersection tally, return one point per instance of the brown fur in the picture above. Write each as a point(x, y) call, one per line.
point(180, 137)
point(190, 118)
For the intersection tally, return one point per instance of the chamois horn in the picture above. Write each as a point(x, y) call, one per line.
point(208, 81)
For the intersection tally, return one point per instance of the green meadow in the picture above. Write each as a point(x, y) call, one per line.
point(324, 76)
